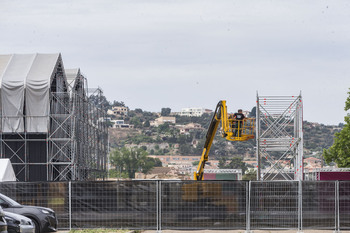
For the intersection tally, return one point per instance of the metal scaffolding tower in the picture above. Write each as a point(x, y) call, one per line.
point(279, 137)
point(77, 141)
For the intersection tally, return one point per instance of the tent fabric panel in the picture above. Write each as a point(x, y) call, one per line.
point(12, 92)
point(6, 171)
point(4, 61)
point(72, 75)
point(76, 82)
point(37, 92)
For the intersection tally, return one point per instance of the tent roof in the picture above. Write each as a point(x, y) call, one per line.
point(23, 69)
point(25, 82)
point(75, 81)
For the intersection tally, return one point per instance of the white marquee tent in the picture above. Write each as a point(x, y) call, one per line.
point(49, 129)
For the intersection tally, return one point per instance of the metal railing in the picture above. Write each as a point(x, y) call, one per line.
point(179, 205)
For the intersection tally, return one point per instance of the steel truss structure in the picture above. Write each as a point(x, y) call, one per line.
point(225, 171)
point(75, 146)
point(78, 141)
point(279, 137)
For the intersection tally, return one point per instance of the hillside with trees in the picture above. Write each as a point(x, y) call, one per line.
point(166, 139)
point(130, 146)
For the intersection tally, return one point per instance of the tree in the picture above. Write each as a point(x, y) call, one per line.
point(236, 163)
point(339, 152)
point(252, 113)
point(195, 163)
point(163, 128)
point(138, 110)
point(147, 124)
point(150, 163)
point(118, 104)
point(249, 175)
point(100, 101)
point(165, 111)
point(109, 123)
point(157, 162)
point(222, 163)
point(185, 149)
point(136, 121)
point(130, 161)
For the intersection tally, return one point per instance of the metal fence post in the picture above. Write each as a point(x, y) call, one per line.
point(248, 189)
point(70, 204)
point(159, 206)
point(337, 216)
point(300, 206)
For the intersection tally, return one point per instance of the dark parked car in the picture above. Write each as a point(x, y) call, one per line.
point(17, 223)
point(43, 218)
point(3, 224)
point(12, 225)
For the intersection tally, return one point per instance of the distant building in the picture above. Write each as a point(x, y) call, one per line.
point(179, 160)
point(175, 159)
point(251, 163)
point(162, 120)
point(183, 165)
point(222, 174)
point(312, 163)
point(158, 173)
point(118, 111)
point(186, 129)
point(104, 119)
point(194, 112)
point(120, 124)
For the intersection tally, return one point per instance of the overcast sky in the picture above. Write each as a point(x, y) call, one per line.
point(157, 53)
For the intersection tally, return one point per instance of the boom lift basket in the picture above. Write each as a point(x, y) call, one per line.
point(240, 130)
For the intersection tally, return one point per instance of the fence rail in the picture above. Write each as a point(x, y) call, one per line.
point(160, 205)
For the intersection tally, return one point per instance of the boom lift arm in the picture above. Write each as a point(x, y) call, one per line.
point(198, 175)
point(232, 130)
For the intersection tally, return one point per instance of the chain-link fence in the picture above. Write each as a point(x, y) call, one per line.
point(194, 205)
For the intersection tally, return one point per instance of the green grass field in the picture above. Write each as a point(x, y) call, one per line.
point(100, 231)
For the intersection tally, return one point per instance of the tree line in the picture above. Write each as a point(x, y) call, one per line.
point(339, 152)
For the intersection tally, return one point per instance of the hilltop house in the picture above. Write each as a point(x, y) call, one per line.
point(186, 129)
point(163, 119)
point(118, 111)
point(194, 112)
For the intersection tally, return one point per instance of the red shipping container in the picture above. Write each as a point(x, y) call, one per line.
point(209, 176)
point(334, 175)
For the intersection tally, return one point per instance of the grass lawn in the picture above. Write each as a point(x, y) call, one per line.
point(99, 231)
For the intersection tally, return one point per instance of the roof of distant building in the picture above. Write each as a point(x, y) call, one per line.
point(159, 170)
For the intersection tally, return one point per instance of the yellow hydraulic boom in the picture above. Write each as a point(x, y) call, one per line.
point(232, 129)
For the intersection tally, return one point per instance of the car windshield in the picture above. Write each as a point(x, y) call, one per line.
point(9, 200)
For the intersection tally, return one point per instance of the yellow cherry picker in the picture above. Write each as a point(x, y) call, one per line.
point(232, 130)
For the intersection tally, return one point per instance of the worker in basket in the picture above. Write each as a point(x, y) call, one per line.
point(238, 123)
